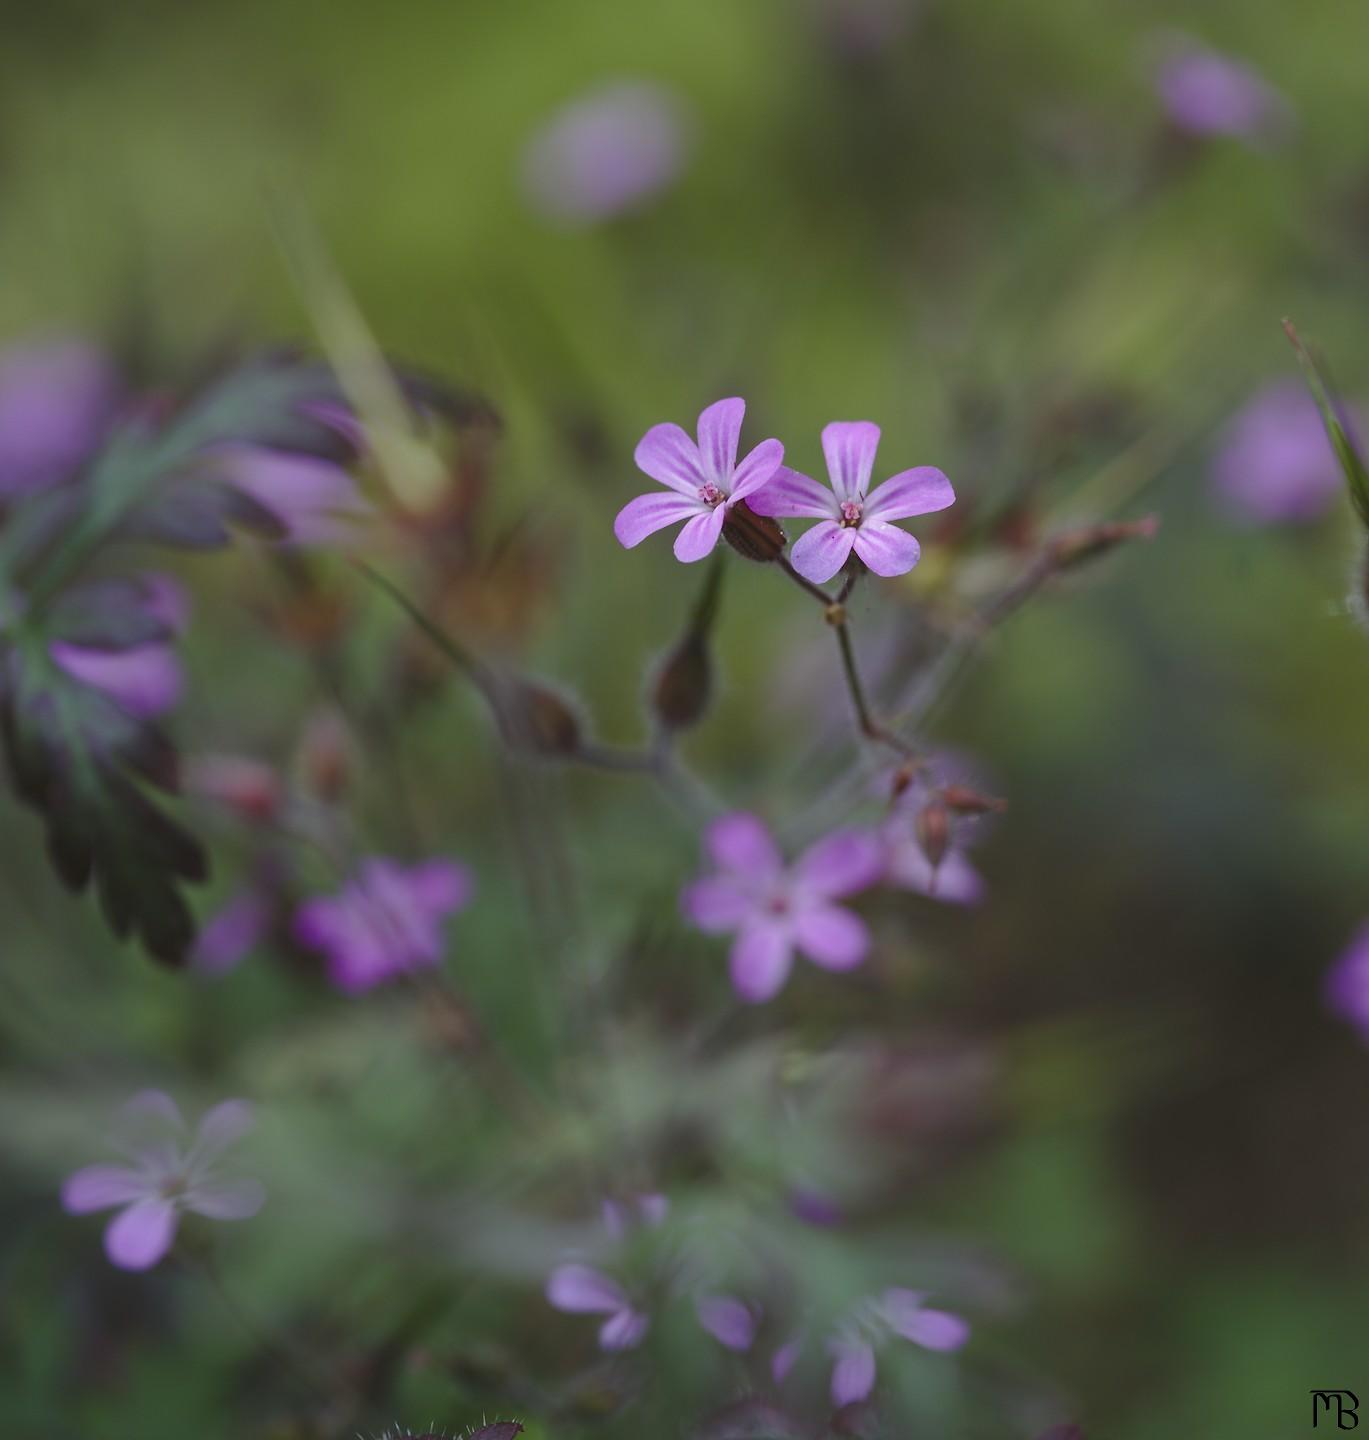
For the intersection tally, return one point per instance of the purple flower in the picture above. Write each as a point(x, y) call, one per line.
point(731, 1322)
point(316, 501)
point(1346, 988)
point(606, 153)
point(386, 921)
point(705, 480)
point(57, 399)
point(851, 518)
point(1276, 465)
point(772, 908)
point(896, 1312)
point(582, 1290)
point(620, 1216)
point(1206, 93)
point(165, 1178)
point(232, 932)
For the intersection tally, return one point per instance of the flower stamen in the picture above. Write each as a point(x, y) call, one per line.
point(850, 513)
point(711, 495)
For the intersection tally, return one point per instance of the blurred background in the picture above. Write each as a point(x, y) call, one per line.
point(1107, 1107)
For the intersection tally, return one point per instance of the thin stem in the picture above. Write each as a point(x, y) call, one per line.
point(816, 591)
point(869, 726)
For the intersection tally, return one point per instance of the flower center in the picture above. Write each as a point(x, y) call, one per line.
point(850, 513)
point(711, 495)
point(778, 904)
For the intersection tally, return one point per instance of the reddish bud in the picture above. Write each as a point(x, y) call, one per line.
point(934, 831)
point(755, 537)
point(532, 716)
point(683, 685)
point(965, 801)
point(325, 755)
point(249, 788)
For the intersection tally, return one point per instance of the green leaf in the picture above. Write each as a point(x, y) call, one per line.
point(1338, 428)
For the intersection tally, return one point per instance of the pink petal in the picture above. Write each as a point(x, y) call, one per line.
point(727, 1320)
point(144, 680)
point(151, 1109)
point(141, 1235)
point(911, 492)
point(227, 1199)
point(955, 880)
point(760, 960)
point(757, 470)
point(938, 1330)
point(716, 904)
point(850, 446)
point(886, 549)
point(785, 1358)
point(316, 501)
point(233, 931)
point(720, 429)
point(221, 1127)
point(623, 1330)
point(698, 536)
point(579, 1289)
point(819, 554)
point(441, 886)
point(832, 937)
point(670, 457)
point(793, 493)
point(853, 1376)
point(649, 513)
point(841, 863)
point(741, 843)
point(97, 1187)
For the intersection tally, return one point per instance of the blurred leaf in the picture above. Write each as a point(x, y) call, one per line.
point(1338, 428)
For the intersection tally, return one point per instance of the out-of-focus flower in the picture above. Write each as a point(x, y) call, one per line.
point(952, 879)
point(606, 153)
point(731, 1322)
point(773, 908)
point(1206, 93)
point(1275, 465)
point(233, 932)
point(583, 1290)
point(1346, 987)
point(57, 399)
point(895, 1313)
point(166, 1178)
point(620, 1216)
point(248, 787)
point(316, 501)
point(850, 518)
point(938, 812)
point(386, 921)
point(705, 480)
point(143, 679)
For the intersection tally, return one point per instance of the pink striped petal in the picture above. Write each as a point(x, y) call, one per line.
point(670, 457)
point(141, 1235)
point(727, 1320)
point(793, 493)
point(841, 863)
point(911, 492)
point(227, 1199)
point(741, 843)
point(886, 549)
point(698, 536)
point(716, 904)
point(649, 513)
point(757, 470)
point(819, 554)
point(580, 1289)
point(720, 430)
point(832, 937)
point(850, 446)
point(760, 961)
point(98, 1187)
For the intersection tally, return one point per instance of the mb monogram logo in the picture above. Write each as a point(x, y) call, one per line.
point(1343, 1403)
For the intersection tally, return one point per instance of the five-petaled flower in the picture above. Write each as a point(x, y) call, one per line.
point(773, 908)
point(896, 1312)
point(165, 1179)
point(704, 480)
point(852, 516)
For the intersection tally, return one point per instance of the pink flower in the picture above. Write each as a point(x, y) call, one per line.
point(315, 501)
point(581, 1289)
point(386, 921)
point(704, 480)
point(1206, 93)
point(772, 908)
point(896, 1312)
point(731, 1322)
point(1346, 987)
point(852, 519)
point(165, 1179)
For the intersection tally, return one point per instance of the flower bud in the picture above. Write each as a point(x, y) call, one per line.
point(532, 716)
point(249, 788)
point(965, 801)
point(683, 685)
point(933, 828)
point(755, 537)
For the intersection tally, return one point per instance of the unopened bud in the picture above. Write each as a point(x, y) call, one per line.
point(755, 537)
point(934, 832)
point(683, 685)
point(249, 788)
point(965, 801)
point(904, 776)
point(1088, 542)
point(325, 755)
point(532, 716)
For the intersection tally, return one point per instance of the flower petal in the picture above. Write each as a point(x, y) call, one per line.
point(784, 1359)
point(623, 1330)
point(720, 429)
point(886, 549)
point(832, 937)
point(790, 492)
point(716, 904)
point(580, 1289)
point(760, 960)
point(144, 680)
point(955, 880)
point(911, 492)
point(841, 863)
point(727, 1320)
point(932, 1329)
point(699, 535)
point(221, 1127)
point(227, 1199)
point(670, 457)
point(141, 1235)
point(757, 470)
point(819, 554)
point(850, 446)
point(440, 886)
point(741, 843)
point(853, 1376)
point(97, 1187)
point(649, 513)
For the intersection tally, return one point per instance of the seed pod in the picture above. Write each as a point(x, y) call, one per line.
point(965, 801)
point(755, 537)
point(683, 685)
point(532, 716)
point(933, 830)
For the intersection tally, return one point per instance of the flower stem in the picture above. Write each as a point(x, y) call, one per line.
point(816, 591)
point(869, 726)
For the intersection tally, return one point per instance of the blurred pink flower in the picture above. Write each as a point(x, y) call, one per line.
point(850, 518)
point(1346, 987)
point(581, 1289)
point(731, 1322)
point(895, 1313)
point(773, 908)
point(316, 501)
point(706, 480)
point(385, 922)
point(1207, 93)
point(57, 400)
point(165, 1179)
point(1276, 465)
point(232, 932)
point(606, 153)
